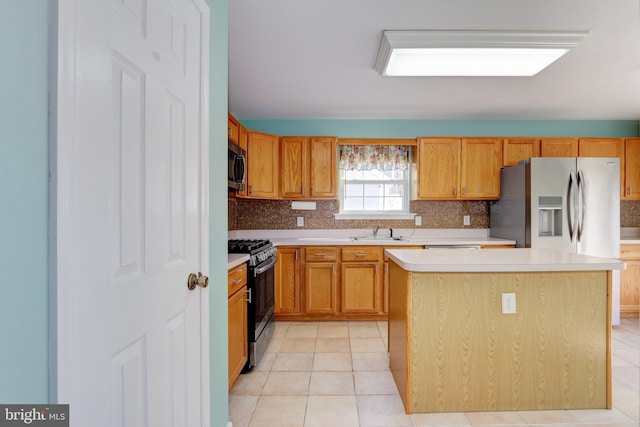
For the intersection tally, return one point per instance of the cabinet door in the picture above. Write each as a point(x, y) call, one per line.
point(287, 278)
point(320, 288)
point(438, 173)
point(559, 147)
point(516, 149)
point(630, 281)
point(632, 169)
point(360, 288)
point(262, 165)
point(238, 345)
point(293, 167)
point(480, 163)
point(233, 128)
point(604, 147)
point(323, 167)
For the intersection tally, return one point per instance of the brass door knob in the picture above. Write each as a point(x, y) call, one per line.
point(197, 280)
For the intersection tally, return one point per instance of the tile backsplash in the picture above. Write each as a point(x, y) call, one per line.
point(247, 214)
point(277, 214)
point(630, 213)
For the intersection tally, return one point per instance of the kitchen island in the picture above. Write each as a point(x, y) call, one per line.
point(455, 346)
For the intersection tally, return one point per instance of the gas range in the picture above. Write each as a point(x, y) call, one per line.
point(259, 250)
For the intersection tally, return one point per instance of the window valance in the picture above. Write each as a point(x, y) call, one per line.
point(368, 157)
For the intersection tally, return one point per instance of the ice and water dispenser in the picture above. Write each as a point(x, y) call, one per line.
point(549, 216)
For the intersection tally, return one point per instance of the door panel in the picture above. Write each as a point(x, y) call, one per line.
point(601, 204)
point(131, 219)
point(549, 178)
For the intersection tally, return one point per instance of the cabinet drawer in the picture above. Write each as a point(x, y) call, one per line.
point(630, 252)
point(321, 253)
point(361, 253)
point(237, 278)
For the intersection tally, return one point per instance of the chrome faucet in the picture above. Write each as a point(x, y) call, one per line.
point(375, 230)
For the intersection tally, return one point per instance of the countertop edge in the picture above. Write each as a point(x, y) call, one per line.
point(498, 260)
point(235, 260)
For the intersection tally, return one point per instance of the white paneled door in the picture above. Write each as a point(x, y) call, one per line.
point(131, 208)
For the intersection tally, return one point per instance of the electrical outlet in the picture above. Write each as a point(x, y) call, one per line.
point(466, 220)
point(508, 303)
point(418, 220)
point(300, 221)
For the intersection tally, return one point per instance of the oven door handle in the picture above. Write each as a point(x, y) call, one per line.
point(264, 268)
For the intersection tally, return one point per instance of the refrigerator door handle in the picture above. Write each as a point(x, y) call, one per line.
point(571, 206)
point(583, 204)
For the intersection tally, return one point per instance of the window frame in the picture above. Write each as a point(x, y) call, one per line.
point(377, 214)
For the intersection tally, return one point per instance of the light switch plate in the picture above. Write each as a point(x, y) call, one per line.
point(300, 221)
point(418, 220)
point(466, 220)
point(508, 303)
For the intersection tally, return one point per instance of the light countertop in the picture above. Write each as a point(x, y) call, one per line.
point(407, 237)
point(235, 260)
point(497, 260)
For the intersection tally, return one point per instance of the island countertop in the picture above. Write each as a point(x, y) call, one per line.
point(498, 260)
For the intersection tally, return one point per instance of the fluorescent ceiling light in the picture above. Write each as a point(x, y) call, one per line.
point(471, 53)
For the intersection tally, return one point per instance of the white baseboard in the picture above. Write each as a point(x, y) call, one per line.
point(229, 424)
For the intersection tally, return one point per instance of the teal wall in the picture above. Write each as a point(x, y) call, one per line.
point(218, 212)
point(346, 128)
point(23, 202)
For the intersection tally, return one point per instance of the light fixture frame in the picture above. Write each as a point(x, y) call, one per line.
point(472, 39)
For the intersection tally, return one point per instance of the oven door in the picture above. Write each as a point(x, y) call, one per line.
point(262, 302)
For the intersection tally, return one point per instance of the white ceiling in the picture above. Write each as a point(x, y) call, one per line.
point(295, 59)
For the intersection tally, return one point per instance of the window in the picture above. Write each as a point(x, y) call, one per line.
point(374, 181)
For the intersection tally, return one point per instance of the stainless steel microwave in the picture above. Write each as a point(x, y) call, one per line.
point(237, 166)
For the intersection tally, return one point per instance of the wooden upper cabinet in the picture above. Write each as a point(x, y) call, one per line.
point(604, 147)
point(309, 167)
point(559, 147)
point(516, 149)
point(233, 128)
point(438, 168)
point(601, 147)
point(294, 166)
point(262, 165)
point(480, 162)
point(323, 167)
point(632, 169)
point(459, 168)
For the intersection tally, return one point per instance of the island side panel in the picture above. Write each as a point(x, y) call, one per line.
point(465, 355)
point(399, 333)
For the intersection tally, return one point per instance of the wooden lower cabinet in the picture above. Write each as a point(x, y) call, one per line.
point(360, 287)
point(335, 282)
point(320, 288)
point(237, 307)
point(287, 281)
point(361, 279)
point(630, 281)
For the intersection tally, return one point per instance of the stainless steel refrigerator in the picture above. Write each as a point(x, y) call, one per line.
point(564, 203)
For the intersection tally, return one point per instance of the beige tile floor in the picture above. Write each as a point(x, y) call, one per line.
point(336, 374)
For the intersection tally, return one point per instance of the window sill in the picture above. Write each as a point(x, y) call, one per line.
point(352, 216)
